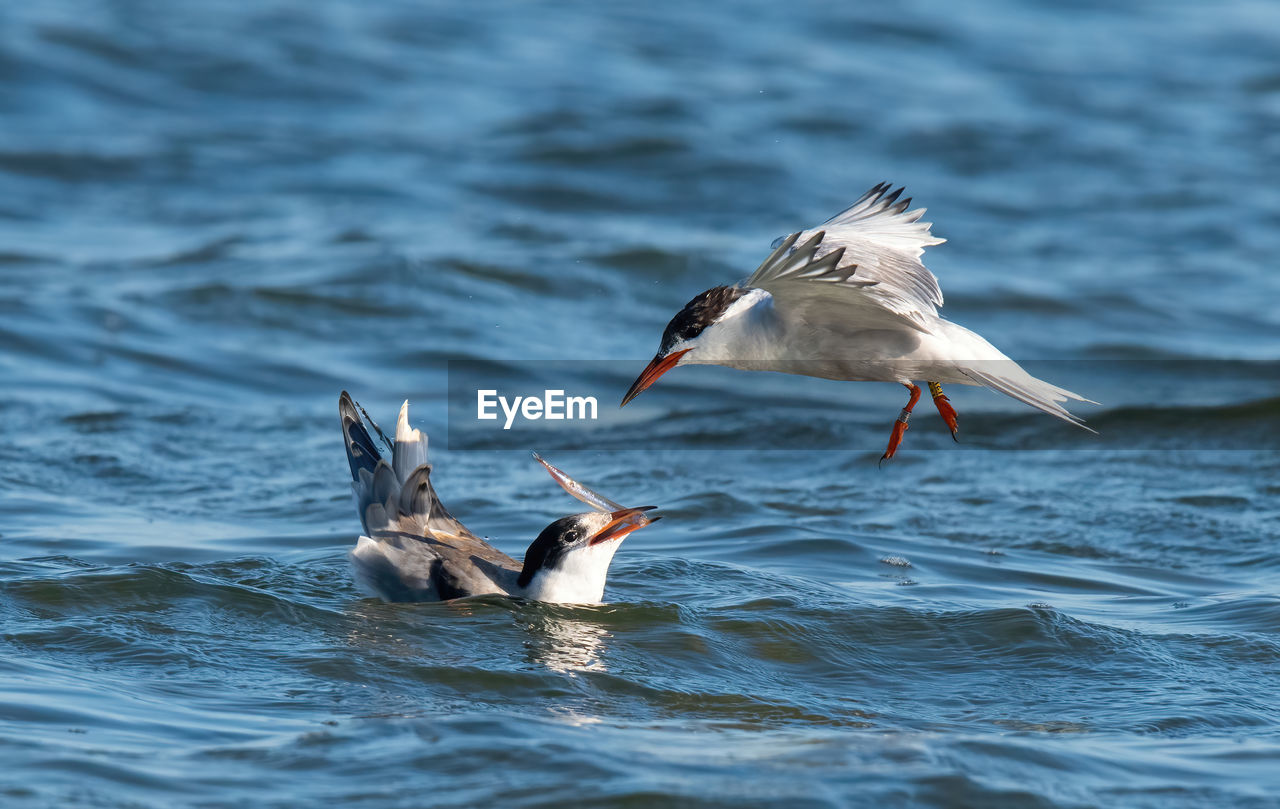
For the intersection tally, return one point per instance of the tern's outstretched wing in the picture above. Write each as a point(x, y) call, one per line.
point(868, 255)
point(415, 549)
point(397, 496)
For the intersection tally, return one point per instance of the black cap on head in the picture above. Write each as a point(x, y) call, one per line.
point(697, 314)
point(545, 551)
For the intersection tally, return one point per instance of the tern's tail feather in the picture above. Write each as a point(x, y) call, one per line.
point(393, 497)
point(1009, 378)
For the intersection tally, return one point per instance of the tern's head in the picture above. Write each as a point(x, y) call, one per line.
point(569, 560)
point(701, 328)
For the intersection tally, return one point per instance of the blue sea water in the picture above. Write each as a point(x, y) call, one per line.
point(216, 216)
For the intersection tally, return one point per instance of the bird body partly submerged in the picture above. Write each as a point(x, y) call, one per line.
point(413, 549)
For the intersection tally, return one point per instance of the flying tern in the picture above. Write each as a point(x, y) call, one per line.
point(850, 299)
point(413, 549)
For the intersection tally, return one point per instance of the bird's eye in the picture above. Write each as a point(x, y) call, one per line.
point(571, 536)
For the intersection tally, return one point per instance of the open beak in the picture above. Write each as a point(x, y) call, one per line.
point(656, 368)
point(623, 522)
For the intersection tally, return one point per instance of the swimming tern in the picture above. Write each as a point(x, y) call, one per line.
point(849, 300)
point(413, 549)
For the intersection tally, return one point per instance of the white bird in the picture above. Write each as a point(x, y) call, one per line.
point(849, 300)
point(414, 550)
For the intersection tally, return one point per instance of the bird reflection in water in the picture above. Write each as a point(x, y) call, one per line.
point(564, 640)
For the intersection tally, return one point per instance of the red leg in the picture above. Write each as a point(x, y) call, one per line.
point(900, 426)
point(945, 409)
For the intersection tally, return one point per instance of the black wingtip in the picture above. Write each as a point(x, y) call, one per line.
point(347, 406)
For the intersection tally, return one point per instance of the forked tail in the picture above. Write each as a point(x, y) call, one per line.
point(1007, 377)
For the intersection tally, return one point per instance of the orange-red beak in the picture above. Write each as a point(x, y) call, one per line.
point(656, 368)
point(623, 522)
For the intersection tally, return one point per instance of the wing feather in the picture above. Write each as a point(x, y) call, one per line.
point(396, 497)
point(869, 253)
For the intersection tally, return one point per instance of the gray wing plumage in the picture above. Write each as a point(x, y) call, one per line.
point(413, 548)
point(869, 254)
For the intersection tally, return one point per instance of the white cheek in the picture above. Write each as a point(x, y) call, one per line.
point(579, 578)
